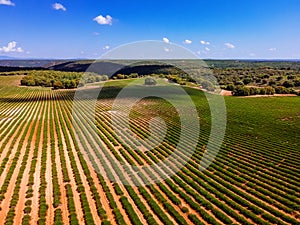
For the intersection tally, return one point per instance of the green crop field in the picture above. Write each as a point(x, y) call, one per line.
point(45, 178)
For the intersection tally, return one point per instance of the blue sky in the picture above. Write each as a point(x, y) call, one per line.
point(261, 29)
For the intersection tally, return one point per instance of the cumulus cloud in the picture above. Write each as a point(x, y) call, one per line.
point(7, 2)
point(272, 49)
point(187, 42)
point(107, 20)
point(205, 42)
point(59, 6)
point(106, 47)
point(229, 45)
point(11, 47)
point(166, 40)
point(207, 49)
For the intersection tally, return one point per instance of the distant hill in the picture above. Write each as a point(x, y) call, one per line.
point(4, 57)
point(105, 67)
point(13, 69)
point(102, 67)
point(29, 63)
point(280, 64)
point(110, 67)
point(149, 69)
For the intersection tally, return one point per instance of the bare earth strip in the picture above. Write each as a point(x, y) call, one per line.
point(23, 187)
point(102, 195)
point(49, 189)
point(86, 185)
point(3, 155)
point(116, 197)
point(137, 211)
point(76, 196)
point(6, 202)
point(13, 119)
point(226, 93)
point(63, 199)
point(37, 182)
point(119, 206)
point(6, 148)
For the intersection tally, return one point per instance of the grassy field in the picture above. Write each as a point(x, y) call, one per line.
point(46, 179)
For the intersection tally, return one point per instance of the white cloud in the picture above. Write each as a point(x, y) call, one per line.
point(272, 49)
point(229, 45)
point(58, 6)
point(106, 47)
point(207, 49)
point(166, 40)
point(96, 33)
point(103, 20)
point(11, 47)
point(7, 2)
point(205, 42)
point(187, 42)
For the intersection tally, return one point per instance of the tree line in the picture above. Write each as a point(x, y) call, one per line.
point(60, 80)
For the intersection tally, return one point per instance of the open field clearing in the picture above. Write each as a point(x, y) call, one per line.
point(46, 179)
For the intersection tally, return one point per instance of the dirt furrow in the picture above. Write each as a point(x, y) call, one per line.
point(108, 183)
point(49, 189)
point(6, 202)
point(86, 185)
point(37, 181)
point(63, 198)
point(23, 187)
point(7, 146)
point(76, 197)
point(102, 195)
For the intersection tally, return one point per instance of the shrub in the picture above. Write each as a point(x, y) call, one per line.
point(247, 80)
point(27, 210)
point(254, 91)
point(230, 87)
point(288, 83)
point(239, 83)
point(241, 91)
point(184, 209)
point(28, 203)
point(150, 81)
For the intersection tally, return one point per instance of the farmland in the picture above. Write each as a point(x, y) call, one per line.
point(46, 179)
